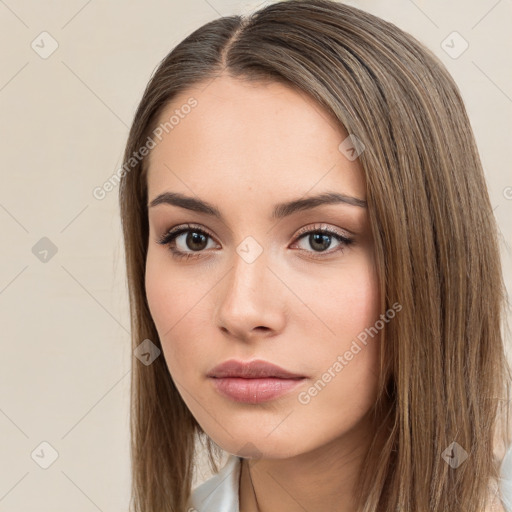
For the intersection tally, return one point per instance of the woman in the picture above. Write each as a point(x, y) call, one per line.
point(310, 243)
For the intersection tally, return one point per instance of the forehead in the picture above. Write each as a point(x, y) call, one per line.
point(259, 136)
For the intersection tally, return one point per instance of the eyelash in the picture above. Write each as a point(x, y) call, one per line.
point(169, 238)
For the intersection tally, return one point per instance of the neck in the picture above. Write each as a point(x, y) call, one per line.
point(319, 480)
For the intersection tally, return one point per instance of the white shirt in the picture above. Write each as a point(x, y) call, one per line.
point(220, 492)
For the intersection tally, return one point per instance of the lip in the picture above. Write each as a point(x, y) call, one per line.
point(255, 369)
point(254, 381)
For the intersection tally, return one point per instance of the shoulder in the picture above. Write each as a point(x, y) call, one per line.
point(220, 492)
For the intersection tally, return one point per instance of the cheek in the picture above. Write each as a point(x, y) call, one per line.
point(356, 305)
point(348, 300)
point(159, 295)
point(350, 308)
point(176, 309)
point(170, 296)
point(162, 291)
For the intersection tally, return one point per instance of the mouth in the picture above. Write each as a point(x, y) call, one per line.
point(254, 381)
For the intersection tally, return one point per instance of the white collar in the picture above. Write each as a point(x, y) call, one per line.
point(220, 492)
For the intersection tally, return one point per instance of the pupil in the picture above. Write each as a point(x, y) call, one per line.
point(321, 239)
point(196, 238)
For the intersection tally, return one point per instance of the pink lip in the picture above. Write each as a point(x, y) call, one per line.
point(251, 370)
point(254, 381)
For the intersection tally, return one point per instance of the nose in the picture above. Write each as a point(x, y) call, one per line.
point(251, 302)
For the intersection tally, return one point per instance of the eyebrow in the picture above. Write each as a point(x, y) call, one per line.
point(280, 211)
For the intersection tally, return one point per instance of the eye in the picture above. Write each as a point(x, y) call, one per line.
point(195, 240)
point(320, 239)
point(189, 241)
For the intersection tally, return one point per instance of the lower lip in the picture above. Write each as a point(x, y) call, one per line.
point(254, 391)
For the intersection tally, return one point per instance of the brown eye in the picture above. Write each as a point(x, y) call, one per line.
point(196, 241)
point(186, 240)
point(320, 240)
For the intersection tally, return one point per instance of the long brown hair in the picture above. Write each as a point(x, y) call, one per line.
point(444, 374)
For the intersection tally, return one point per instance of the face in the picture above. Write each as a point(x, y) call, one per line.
point(256, 282)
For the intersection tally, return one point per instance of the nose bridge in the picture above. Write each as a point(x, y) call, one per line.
point(249, 295)
point(248, 278)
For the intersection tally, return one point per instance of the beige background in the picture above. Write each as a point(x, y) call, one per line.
point(65, 348)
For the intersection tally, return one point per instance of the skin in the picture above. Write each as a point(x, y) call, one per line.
point(244, 148)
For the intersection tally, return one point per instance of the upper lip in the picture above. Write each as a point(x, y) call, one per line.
point(251, 370)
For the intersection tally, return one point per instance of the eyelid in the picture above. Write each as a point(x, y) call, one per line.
point(324, 227)
point(306, 229)
point(177, 230)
